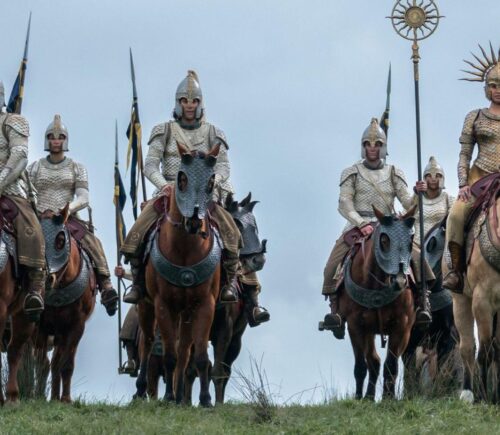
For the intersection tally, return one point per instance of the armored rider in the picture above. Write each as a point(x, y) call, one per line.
point(59, 180)
point(15, 196)
point(437, 202)
point(481, 127)
point(369, 182)
point(190, 128)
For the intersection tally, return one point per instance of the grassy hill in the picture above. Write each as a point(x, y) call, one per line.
point(346, 416)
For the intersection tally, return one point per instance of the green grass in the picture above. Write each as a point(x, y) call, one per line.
point(346, 417)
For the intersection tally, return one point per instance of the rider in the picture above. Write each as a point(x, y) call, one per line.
point(60, 180)
point(481, 127)
point(15, 196)
point(437, 202)
point(189, 128)
point(369, 182)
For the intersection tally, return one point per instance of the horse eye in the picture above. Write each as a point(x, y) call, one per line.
point(182, 181)
point(385, 242)
point(211, 184)
point(431, 246)
point(60, 241)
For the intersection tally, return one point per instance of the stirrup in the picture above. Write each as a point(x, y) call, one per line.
point(334, 323)
point(229, 298)
point(33, 312)
point(459, 286)
point(133, 296)
point(423, 318)
point(128, 369)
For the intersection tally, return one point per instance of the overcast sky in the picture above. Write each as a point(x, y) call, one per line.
point(293, 84)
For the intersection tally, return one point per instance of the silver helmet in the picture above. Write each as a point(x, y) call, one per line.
point(373, 134)
point(190, 89)
point(433, 168)
point(2, 95)
point(56, 127)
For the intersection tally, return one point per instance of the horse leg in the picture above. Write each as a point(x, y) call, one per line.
point(220, 373)
point(183, 356)
point(190, 376)
point(373, 362)
point(201, 323)
point(168, 322)
point(3, 321)
point(360, 367)
point(411, 372)
point(482, 311)
point(234, 349)
point(22, 330)
point(68, 363)
point(42, 365)
point(154, 371)
point(55, 370)
point(147, 330)
point(464, 321)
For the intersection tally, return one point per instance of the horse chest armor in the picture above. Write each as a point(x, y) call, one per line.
point(198, 140)
point(186, 276)
point(55, 184)
point(366, 194)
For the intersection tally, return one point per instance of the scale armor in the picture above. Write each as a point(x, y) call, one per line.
point(435, 210)
point(166, 156)
point(56, 127)
point(372, 134)
point(58, 184)
point(360, 188)
point(2, 95)
point(14, 135)
point(481, 127)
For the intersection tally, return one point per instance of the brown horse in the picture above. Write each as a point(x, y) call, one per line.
point(480, 302)
point(11, 303)
point(68, 305)
point(376, 299)
point(183, 276)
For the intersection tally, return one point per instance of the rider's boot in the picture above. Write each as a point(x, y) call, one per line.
point(255, 313)
point(138, 282)
point(333, 320)
point(230, 263)
point(454, 279)
point(109, 296)
point(33, 302)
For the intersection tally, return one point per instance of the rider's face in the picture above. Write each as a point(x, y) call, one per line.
point(433, 182)
point(372, 150)
point(189, 108)
point(494, 88)
point(55, 145)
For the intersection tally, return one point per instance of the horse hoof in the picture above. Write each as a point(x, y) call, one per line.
point(467, 396)
point(206, 404)
point(12, 404)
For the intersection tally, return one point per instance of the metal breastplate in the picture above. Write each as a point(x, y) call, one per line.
point(434, 212)
point(198, 140)
point(18, 187)
point(55, 184)
point(487, 133)
point(366, 194)
point(187, 276)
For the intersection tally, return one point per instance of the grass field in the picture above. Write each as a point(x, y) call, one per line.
point(346, 416)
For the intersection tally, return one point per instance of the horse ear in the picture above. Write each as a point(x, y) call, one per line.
point(250, 206)
point(246, 200)
point(233, 207)
point(229, 200)
point(381, 217)
point(215, 150)
point(409, 222)
point(210, 161)
point(410, 213)
point(264, 246)
point(182, 149)
point(65, 213)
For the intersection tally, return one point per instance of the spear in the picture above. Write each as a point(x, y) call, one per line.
point(384, 120)
point(415, 22)
point(16, 96)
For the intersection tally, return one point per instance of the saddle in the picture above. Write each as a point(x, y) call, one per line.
point(486, 190)
point(8, 212)
point(77, 228)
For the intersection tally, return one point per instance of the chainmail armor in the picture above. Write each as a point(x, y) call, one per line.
point(435, 211)
point(14, 134)
point(58, 184)
point(481, 127)
point(163, 160)
point(358, 193)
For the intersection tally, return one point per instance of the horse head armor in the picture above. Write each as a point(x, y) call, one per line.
point(57, 243)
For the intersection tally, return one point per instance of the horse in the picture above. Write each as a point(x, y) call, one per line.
point(480, 301)
point(231, 320)
point(69, 302)
point(441, 334)
point(183, 275)
point(12, 296)
point(375, 298)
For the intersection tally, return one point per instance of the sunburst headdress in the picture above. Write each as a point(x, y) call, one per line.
point(487, 69)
